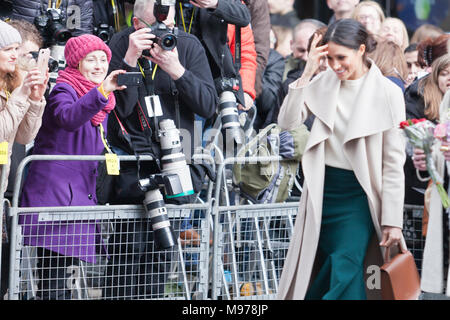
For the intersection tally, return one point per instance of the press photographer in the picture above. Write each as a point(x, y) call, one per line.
point(177, 84)
point(214, 23)
point(223, 28)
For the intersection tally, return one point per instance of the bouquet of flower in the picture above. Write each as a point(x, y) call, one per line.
point(420, 134)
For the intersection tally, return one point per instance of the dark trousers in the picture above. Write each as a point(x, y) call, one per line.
point(58, 276)
point(135, 269)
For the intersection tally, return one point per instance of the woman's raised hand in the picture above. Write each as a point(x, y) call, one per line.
point(110, 82)
point(34, 85)
point(315, 55)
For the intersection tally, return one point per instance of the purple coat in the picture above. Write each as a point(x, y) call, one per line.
point(66, 130)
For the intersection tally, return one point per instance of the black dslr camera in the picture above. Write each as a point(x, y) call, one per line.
point(51, 24)
point(166, 38)
point(104, 31)
point(226, 84)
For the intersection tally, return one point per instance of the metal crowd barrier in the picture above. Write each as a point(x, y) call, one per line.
point(412, 232)
point(250, 242)
point(5, 205)
point(125, 263)
point(245, 260)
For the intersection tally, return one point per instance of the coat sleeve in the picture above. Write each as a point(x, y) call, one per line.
point(69, 112)
point(232, 12)
point(11, 115)
point(260, 21)
point(394, 156)
point(248, 57)
point(196, 87)
point(293, 111)
point(31, 122)
point(268, 99)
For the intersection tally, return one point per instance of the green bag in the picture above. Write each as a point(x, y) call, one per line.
point(270, 181)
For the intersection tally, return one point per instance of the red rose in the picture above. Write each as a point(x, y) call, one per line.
point(404, 124)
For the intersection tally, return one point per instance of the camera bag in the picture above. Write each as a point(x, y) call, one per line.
point(270, 181)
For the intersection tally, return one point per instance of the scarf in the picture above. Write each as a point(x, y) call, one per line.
point(81, 85)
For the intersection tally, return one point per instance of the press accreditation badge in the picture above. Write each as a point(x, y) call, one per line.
point(4, 152)
point(112, 164)
point(153, 106)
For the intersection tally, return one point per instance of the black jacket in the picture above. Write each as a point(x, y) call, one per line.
point(211, 29)
point(268, 100)
point(29, 9)
point(415, 105)
point(292, 75)
point(196, 95)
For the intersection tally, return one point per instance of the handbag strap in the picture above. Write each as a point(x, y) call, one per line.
point(387, 252)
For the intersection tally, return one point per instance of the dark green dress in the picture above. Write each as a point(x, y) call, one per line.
point(345, 233)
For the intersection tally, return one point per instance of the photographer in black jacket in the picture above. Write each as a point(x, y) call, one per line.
point(182, 80)
point(208, 20)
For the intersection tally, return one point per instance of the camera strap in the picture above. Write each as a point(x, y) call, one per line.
point(182, 18)
point(102, 136)
point(237, 49)
point(112, 162)
point(148, 73)
point(127, 137)
point(176, 102)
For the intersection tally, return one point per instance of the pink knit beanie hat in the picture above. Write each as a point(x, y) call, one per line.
point(78, 47)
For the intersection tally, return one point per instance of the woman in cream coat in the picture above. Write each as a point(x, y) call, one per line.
point(363, 142)
point(434, 276)
point(21, 98)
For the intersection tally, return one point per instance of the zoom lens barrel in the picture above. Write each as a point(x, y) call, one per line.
point(162, 231)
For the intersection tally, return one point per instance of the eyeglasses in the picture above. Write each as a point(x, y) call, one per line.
point(366, 18)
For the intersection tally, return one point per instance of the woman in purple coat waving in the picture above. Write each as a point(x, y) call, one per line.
point(73, 124)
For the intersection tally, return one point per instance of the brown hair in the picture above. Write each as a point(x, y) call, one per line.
point(320, 31)
point(430, 49)
point(429, 88)
point(389, 57)
point(27, 31)
point(11, 80)
point(426, 31)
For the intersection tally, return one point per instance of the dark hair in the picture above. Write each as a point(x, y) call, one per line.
point(411, 48)
point(351, 34)
point(432, 48)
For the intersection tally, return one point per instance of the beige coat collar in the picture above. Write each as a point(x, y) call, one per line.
point(371, 107)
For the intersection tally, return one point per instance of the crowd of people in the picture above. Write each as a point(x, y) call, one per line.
point(350, 81)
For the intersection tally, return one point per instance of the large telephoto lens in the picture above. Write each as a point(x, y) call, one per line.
point(173, 160)
point(229, 116)
point(156, 209)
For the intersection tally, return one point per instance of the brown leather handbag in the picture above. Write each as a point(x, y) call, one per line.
point(399, 277)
